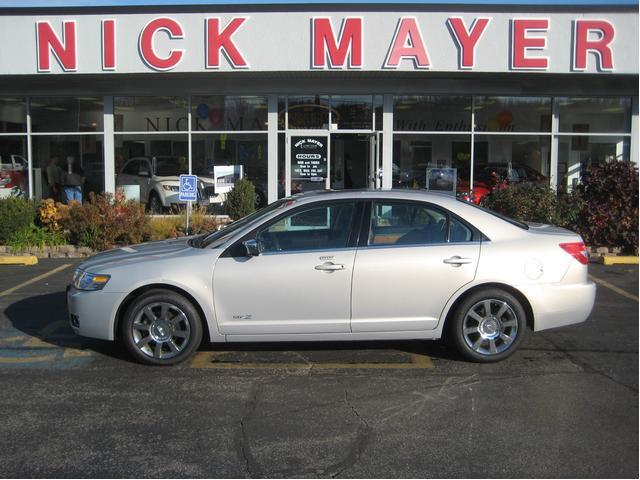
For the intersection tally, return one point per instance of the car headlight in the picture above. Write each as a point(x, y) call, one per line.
point(89, 281)
point(171, 188)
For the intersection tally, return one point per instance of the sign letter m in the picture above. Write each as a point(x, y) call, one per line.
point(326, 48)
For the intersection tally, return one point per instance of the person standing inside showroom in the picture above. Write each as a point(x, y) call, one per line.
point(73, 181)
point(54, 178)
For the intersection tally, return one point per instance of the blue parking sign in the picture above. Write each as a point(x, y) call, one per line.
point(188, 188)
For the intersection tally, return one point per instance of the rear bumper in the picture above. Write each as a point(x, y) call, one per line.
point(557, 305)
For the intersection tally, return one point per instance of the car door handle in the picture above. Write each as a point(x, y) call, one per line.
point(457, 261)
point(330, 267)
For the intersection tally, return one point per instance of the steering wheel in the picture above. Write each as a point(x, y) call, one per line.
point(268, 241)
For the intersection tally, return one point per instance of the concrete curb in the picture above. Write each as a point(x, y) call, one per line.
point(19, 260)
point(618, 260)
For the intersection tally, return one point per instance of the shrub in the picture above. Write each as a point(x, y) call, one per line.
point(535, 204)
point(15, 214)
point(51, 215)
point(105, 221)
point(241, 201)
point(34, 236)
point(161, 228)
point(610, 212)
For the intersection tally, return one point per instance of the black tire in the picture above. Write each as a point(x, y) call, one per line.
point(178, 331)
point(261, 199)
point(507, 320)
point(155, 204)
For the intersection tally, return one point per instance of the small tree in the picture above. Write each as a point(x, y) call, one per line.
point(241, 201)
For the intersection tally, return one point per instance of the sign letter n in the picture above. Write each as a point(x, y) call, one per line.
point(48, 42)
point(326, 47)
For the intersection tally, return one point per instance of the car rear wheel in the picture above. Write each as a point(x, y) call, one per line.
point(488, 325)
point(161, 327)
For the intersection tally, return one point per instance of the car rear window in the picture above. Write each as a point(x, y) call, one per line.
point(510, 220)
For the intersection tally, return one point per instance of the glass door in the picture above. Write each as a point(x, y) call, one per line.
point(307, 165)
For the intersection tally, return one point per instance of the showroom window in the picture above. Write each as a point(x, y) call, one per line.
point(442, 150)
point(14, 173)
point(67, 139)
point(592, 131)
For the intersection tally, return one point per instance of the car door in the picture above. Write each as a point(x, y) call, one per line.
point(411, 261)
point(301, 280)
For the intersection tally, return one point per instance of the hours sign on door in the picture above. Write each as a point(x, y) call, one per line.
point(309, 158)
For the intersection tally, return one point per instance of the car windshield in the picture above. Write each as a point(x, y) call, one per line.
point(510, 220)
point(215, 239)
point(170, 167)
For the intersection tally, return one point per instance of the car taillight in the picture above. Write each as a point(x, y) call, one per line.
point(577, 250)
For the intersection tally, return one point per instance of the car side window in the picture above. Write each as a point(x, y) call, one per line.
point(399, 223)
point(131, 168)
point(459, 232)
point(320, 227)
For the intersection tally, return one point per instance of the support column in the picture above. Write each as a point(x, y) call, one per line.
point(109, 147)
point(387, 141)
point(634, 131)
point(272, 149)
point(553, 166)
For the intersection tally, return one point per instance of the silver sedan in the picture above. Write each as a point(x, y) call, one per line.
point(359, 265)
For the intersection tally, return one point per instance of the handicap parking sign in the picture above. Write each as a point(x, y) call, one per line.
point(188, 188)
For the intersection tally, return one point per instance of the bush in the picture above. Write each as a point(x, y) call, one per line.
point(610, 213)
point(34, 236)
point(51, 215)
point(105, 221)
point(16, 214)
point(535, 204)
point(241, 201)
point(161, 228)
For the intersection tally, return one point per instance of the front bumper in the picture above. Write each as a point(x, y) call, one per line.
point(92, 314)
point(557, 305)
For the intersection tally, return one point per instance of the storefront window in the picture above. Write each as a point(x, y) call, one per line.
point(14, 173)
point(414, 154)
point(67, 114)
point(594, 115)
point(432, 113)
point(510, 160)
point(307, 112)
point(150, 114)
point(221, 159)
point(13, 115)
point(148, 167)
point(512, 114)
point(352, 112)
point(233, 113)
point(56, 156)
point(377, 105)
point(577, 155)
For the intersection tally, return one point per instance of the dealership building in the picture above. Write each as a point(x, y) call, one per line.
point(297, 96)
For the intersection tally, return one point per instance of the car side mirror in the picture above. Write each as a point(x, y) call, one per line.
point(252, 247)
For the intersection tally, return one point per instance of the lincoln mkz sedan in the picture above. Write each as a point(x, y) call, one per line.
point(357, 265)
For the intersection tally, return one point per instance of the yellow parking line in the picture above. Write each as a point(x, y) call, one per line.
point(74, 353)
point(43, 358)
point(211, 360)
point(35, 279)
point(611, 286)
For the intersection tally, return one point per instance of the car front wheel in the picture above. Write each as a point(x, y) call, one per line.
point(161, 327)
point(488, 325)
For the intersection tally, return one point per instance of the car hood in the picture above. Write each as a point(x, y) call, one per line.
point(136, 253)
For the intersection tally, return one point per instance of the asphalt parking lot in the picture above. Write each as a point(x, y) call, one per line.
point(565, 405)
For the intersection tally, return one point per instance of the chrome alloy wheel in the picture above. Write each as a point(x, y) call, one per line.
point(490, 327)
point(161, 330)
